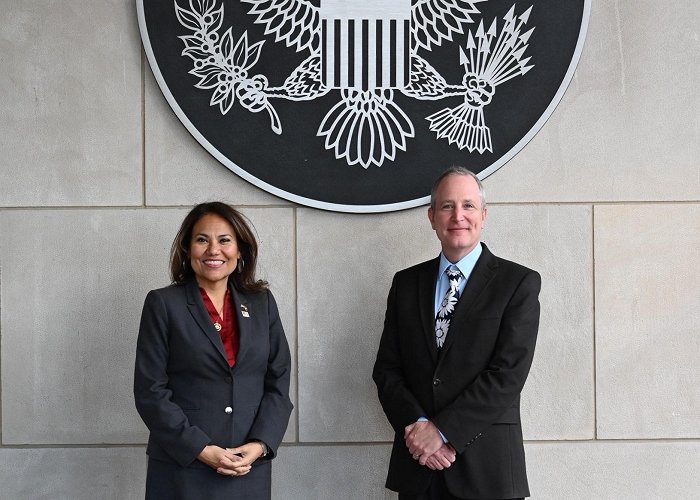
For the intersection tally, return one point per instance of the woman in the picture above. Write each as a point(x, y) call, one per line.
point(212, 366)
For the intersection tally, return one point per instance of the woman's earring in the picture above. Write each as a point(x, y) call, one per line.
point(240, 265)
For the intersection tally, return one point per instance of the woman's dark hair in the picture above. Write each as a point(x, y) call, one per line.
point(244, 275)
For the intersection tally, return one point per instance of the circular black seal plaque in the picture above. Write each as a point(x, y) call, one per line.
point(357, 106)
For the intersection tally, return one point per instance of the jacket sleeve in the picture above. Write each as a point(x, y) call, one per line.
point(165, 420)
point(496, 388)
point(275, 408)
point(398, 403)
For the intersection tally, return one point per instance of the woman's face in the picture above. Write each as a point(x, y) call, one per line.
point(214, 251)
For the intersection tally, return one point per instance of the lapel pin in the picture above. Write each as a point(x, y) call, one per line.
point(244, 311)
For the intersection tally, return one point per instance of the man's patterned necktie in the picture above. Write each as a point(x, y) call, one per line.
point(447, 306)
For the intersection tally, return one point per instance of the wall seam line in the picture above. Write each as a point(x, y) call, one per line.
point(307, 444)
point(143, 129)
point(1, 311)
point(296, 319)
point(595, 353)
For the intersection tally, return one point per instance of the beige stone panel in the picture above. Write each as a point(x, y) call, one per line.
point(331, 472)
point(583, 470)
point(70, 313)
point(73, 473)
point(274, 228)
point(647, 321)
point(179, 171)
point(70, 100)
point(345, 268)
point(555, 240)
point(607, 470)
point(628, 127)
point(73, 284)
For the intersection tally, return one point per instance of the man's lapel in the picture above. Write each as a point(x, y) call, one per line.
point(481, 276)
point(427, 280)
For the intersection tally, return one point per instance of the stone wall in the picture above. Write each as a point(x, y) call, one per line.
point(97, 173)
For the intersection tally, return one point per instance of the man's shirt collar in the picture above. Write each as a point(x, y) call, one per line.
point(465, 264)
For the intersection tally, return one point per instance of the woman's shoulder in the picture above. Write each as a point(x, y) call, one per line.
point(170, 292)
point(254, 295)
point(262, 298)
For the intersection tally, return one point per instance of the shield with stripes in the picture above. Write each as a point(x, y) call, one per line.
point(365, 45)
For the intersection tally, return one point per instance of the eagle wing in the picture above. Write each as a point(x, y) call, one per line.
point(294, 21)
point(437, 20)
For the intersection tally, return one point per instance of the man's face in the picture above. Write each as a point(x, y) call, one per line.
point(458, 217)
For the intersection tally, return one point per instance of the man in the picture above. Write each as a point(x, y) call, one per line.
point(458, 341)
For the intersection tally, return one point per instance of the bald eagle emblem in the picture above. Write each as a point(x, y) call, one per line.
point(366, 52)
point(356, 105)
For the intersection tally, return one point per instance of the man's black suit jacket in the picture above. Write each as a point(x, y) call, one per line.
point(471, 389)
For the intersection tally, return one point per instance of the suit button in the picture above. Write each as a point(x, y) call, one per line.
point(437, 381)
point(228, 410)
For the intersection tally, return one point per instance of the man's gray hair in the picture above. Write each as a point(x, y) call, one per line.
point(454, 170)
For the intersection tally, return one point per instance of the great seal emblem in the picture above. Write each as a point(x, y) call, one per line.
point(357, 106)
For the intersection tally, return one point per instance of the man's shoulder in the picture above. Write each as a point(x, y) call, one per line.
point(504, 265)
point(513, 266)
point(513, 271)
point(425, 266)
